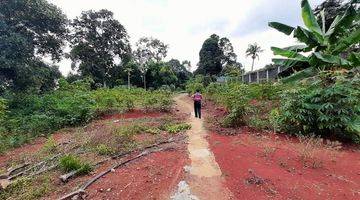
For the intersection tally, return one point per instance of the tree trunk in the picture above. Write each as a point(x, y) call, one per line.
point(252, 66)
point(129, 80)
point(145, 80)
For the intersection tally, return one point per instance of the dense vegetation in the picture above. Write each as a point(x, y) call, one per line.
point(328, 105)
point(25, 116)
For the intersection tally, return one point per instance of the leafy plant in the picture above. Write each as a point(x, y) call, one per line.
point(176, 128)
point(103, 149)
point(327, 48)
point(70, 163)
point(327, 106)
point(50, 145)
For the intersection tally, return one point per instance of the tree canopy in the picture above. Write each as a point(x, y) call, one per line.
point(30, 30)
point(100, 46)
point(215, 54)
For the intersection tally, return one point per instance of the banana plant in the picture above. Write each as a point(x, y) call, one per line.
point(321, 48)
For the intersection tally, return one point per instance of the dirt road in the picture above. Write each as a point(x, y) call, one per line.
point(204, 175)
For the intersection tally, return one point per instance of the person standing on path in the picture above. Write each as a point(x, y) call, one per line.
point(197, 97)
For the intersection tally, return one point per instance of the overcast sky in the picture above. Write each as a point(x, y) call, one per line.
point(185, 24)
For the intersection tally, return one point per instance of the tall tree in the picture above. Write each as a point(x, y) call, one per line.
point(100, 46)
point(215, 54)
point(187, 65)
point(149, 50)
point(253, 50)
point(30, 30)
point(228, 55)
point(180, 71)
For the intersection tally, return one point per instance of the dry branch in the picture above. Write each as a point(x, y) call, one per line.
point(93, 180)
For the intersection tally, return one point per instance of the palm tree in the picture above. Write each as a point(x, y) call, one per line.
point(253, 50)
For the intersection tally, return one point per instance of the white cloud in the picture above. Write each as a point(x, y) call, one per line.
point(185, 24)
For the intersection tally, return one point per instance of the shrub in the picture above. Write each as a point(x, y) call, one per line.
point(328, 106)
point(70, 163)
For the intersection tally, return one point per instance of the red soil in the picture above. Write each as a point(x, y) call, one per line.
point(275, 161)
point(152, 177)
point(32, 147)
point(135, 114)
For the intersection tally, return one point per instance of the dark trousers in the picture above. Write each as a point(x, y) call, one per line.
point(197, 108)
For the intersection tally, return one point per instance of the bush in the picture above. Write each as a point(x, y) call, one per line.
point(70, 163)
point(328, 106)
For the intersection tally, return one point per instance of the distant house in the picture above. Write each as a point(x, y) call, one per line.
point(268, 73)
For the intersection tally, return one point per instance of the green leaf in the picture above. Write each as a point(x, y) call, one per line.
point(346, 42)
point(306, 73)
point(282, 27)
point(298, 48)
point(343, 21)
point(318, 59)
point(354, 58)
point(309, 18)
point(306, 37)
point(289, 54)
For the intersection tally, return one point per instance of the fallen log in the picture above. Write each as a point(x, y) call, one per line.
point(11, 170)
point(34, 167)
point(82, 189)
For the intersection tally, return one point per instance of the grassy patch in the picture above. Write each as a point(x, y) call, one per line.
point(70, 163)
point(28, 189)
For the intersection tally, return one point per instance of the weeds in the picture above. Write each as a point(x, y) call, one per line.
point(50, 145)
point(28, 189)
point(309, 146)
point(176, 128)
point(70, 163)
point(103, 149)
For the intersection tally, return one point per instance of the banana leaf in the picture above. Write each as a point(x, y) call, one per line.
point(341, 21)
point(354, 58)
point(319, 59)
point(344, 43)
point(306, 37)
point(310, 20)
point(288, 54)
point(298, 48)
point(306, 73)
point(282, 27)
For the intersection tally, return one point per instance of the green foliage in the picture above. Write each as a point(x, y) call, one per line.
point(3, 110)
point(28, 116)
point(274, 119)
point(28, 189)
point(215, 53)
point(198, 83)
point(253, 50)
point(327, 106)
point(50, 145)
point(38, 28)
point(176, 128)
point(328, 45)
point(246, 104)
point(70, 163)
point(103, 149)
point(159, 100)
point(96, 41)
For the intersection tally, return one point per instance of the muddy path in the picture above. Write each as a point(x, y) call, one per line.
point(204, 177)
